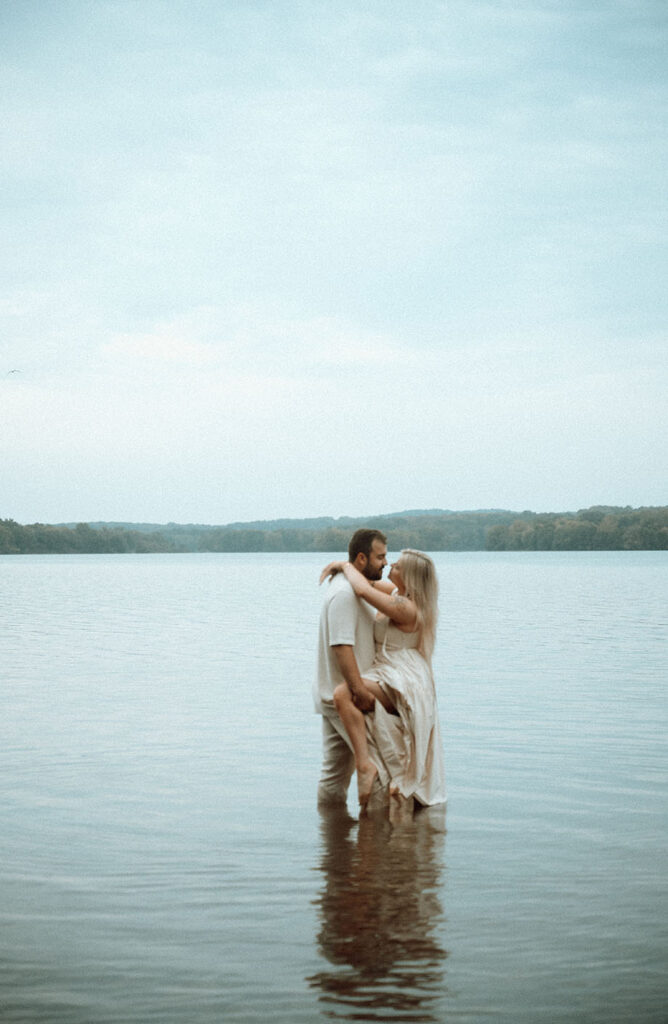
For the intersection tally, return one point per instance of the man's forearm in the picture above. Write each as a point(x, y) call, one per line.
point(347, 663)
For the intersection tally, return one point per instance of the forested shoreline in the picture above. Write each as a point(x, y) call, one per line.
point(600, 528)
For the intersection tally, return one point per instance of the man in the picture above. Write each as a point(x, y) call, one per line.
point(345, 652)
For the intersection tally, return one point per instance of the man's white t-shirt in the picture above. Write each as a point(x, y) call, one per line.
point(344, 619)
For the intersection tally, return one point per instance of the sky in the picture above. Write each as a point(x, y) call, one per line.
point(301, 258)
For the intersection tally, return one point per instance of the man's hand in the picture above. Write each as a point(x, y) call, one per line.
point(364, 701)
point(345, 656)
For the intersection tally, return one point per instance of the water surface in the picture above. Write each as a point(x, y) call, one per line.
point(162, 855)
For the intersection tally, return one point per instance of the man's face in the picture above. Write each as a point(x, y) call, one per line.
point(376, 562)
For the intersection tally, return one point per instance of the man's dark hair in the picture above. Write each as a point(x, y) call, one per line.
point(361, 541)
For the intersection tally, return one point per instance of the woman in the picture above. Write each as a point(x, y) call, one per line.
point(405, 718)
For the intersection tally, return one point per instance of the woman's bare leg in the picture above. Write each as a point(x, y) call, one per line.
point(380, 695)
point(355, 726)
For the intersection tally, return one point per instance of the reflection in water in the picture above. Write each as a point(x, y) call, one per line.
point(379, 914)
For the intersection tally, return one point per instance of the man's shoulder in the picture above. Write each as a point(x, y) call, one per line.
point(340, 591)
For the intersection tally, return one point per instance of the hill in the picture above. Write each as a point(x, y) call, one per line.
point(598, 528)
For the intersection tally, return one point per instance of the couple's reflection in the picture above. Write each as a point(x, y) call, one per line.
point(379, 915)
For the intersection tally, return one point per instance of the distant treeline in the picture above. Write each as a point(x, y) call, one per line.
point(39, 539)
point(601, 528)
point(591, 529)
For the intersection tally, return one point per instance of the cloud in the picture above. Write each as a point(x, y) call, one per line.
point(252, 341)
point(166, 345)
point(250, 240)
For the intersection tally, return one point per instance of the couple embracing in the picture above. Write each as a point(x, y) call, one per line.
point(374, 686)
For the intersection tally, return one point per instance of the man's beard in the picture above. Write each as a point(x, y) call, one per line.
point(372, 574)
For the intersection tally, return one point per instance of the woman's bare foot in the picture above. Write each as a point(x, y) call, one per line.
point(401, 807)
point(365, 779)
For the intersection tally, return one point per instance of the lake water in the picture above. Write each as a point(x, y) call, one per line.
point(163, 859)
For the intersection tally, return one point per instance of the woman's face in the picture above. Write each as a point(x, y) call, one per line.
point(395, 576)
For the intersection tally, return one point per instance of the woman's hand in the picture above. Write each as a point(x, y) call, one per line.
point(331, 570)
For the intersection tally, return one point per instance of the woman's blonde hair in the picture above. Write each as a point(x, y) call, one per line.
point(419, 575)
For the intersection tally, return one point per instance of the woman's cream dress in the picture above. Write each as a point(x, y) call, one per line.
point(409, 743)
